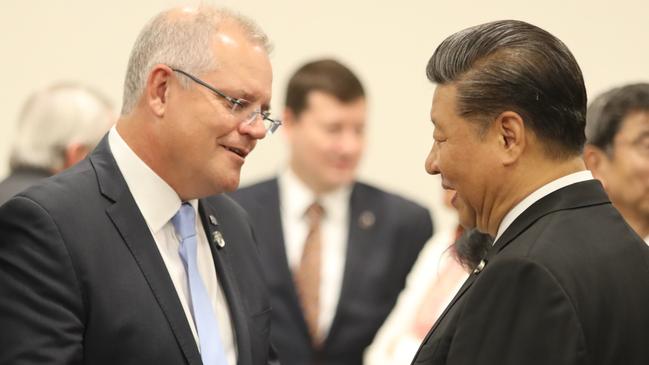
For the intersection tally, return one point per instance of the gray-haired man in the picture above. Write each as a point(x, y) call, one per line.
point(130, 257)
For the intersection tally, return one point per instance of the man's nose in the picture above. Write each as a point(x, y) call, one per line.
point(431, 165)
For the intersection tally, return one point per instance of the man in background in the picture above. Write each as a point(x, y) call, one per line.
point(617, 150)
point(334, 251)
point(133, 256)
point(57, 128)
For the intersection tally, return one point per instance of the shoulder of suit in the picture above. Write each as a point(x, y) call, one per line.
point(250, 195)
point(366, 190)
point(60, 188)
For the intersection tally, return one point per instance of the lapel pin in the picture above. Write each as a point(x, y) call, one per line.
point(366, 219)
point(213, 220)
point(217, 238)
point(480, 266)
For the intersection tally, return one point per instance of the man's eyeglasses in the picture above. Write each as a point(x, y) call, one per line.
point(239, 107)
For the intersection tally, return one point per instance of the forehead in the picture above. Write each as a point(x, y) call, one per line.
point(634, 123)
point(327, 107)
point(242, 65)
point(443, 104)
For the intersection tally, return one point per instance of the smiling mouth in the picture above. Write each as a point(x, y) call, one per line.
point(238, 151)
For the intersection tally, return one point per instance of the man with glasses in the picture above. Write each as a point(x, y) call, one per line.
point(334, 251)
point(617, 150)
point(132, 256)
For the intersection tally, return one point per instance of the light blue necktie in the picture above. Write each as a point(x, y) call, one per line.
point(212, 352)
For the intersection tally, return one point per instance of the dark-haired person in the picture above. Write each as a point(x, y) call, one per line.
point(617, 150)
point(565, 281)
point(334, 251)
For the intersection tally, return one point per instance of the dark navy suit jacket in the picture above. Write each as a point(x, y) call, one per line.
point(566, 284)
point(386, 233)
point(82, 280)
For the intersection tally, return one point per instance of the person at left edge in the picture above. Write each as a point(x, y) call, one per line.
point(131, 256)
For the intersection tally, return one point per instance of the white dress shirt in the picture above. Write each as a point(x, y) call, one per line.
point(158, 203)
point(294, 198)
point(395, 342)
point(539, 193)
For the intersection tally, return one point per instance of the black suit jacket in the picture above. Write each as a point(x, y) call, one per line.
point(379, 257)
point(566, 283)
point(19, 180)
point(82, 280)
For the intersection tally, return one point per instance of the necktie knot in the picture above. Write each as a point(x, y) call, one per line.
point(184, 221)
point(314, 213)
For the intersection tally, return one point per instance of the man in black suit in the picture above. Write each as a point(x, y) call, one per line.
point(333, 278)
point(128, 258)
point(566, 280)
point(57, 127)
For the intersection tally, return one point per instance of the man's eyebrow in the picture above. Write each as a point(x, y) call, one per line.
point(643, 135)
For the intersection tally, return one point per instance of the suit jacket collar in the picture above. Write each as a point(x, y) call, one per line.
point(130, 223)
point(226, 273)
point(582, 194)
point(364, 218)
point(280, 276)
point(578, 195)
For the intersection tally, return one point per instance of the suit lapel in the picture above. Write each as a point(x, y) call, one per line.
point(363, 220)
point(280, 277)
point(577, 195)
point(582, 194)
point(130, 224)
point(463, 289)
point(226, 274)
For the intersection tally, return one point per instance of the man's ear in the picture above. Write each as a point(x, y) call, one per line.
point(157, 87)
point(73, 153)
point(511, 134)
point(288, 121)
point(596, 161)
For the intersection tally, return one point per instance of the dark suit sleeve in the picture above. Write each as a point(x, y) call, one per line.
point(517, 313)
point(40, 306)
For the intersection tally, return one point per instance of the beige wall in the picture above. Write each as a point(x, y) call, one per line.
point(386, 43)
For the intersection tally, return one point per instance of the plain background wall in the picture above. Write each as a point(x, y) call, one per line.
point(386, 43)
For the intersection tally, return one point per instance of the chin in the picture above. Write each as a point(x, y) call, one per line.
point(230, 185)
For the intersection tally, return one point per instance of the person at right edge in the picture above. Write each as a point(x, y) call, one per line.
point(566, 280)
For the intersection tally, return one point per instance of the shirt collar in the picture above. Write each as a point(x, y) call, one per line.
point(157, 201)
point(334, 203)
point(538, 194)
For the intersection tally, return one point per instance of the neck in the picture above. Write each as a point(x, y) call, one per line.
point(519, 184)
point(318, 188)
point(147, 146)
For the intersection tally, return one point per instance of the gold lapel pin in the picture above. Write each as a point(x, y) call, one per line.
point(366, 220)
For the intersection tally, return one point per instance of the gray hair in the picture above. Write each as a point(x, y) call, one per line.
point(181, 40)
point(609, 110)
point(56, 117)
